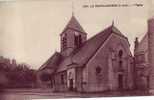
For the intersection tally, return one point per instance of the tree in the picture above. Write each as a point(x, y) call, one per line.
point(18, 75)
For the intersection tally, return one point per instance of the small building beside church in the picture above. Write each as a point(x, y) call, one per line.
point(141, 63)
point(101, 63)
point(144, 58)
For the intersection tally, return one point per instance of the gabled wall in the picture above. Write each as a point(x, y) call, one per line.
point(103, 58)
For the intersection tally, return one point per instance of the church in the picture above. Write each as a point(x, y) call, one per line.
point(101, 63)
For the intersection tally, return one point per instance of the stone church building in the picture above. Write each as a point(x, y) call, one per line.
point(101, 63)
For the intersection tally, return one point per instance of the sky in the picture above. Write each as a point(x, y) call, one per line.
point(30, 29)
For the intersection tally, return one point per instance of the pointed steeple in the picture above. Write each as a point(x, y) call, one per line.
point(72, 36)
point(74, 24)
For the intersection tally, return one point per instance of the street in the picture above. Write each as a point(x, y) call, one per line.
point(29, 94)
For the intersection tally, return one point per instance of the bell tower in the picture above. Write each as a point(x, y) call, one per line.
point(72, 37)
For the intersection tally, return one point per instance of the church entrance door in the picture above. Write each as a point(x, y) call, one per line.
point(120, 81)
point(71, 84)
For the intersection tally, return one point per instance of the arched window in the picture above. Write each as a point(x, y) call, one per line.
point(120, 53)
point(64, 41)
point(98, 70)
point(77, 39)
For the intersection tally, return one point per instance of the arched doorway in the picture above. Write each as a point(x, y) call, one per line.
point(71, 81)
point(71, 84)
point(120, 81)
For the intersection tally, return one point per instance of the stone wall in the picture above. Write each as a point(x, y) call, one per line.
point(100, 81)
point(58, 84)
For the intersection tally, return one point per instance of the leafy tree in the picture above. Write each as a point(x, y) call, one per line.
point(18, 75)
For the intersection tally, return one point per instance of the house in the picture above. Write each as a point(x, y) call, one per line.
point(141, 63)
point(102, 63)
point(144, 59)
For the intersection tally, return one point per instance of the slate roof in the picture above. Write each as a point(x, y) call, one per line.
point(91, 46)
point(74, 24)
point(52, 62)
point(81, 56)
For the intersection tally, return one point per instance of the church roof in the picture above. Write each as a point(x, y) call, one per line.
point(91, 46)
point(74, 24)
point(82, 55)
point(52, 62)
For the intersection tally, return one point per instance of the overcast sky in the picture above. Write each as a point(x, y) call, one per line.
point(29, 30)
